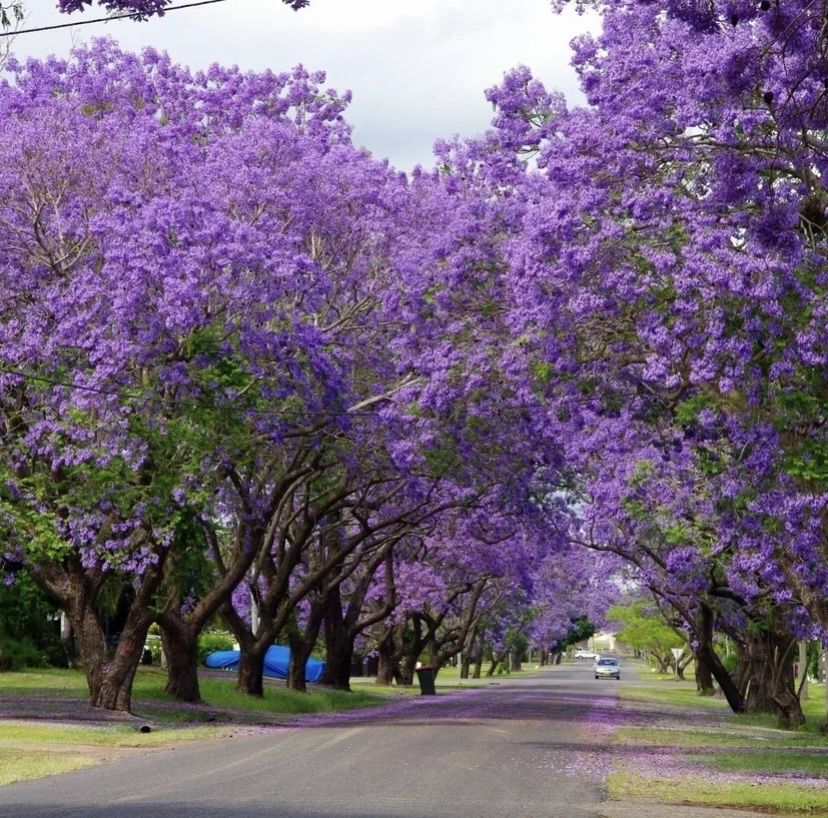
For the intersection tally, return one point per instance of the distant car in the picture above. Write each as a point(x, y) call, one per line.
point(584, 653)
point(607, 668)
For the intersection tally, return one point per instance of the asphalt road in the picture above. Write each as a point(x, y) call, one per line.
point(526, 747)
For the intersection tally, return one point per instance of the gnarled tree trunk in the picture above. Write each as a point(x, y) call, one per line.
point(389, 653)
point(180, 645)
point(339, 646)
point(76, 589)
point(704, 676)
point(301, 646)
point(251, 668)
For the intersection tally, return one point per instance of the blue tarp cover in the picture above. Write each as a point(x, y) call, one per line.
point(276, 663)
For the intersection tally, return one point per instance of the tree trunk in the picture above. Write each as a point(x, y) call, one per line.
point(411, 649)
point(802, 677)
point(114, 688)
point(406, 669)
point(300, 652)
point(180, 645)
point(387, 662)
point(339, 647)
point(478, 663)
point(90, 641)
point(709, 658)
point(757, 676)
point(251, 669)
point(704, 677)
point(76, 590)
point(301, 646)
point(783, 644)
point(465, 665)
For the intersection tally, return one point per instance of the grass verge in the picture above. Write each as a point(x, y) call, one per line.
point(716, 758)
point(49, 728)
point(781, 798)
point(17, 765)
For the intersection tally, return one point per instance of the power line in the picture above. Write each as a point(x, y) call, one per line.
point(127, 16)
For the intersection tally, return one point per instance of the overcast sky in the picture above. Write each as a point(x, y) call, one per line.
point(417, 68)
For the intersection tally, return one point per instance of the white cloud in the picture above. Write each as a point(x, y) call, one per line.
point(417, 68)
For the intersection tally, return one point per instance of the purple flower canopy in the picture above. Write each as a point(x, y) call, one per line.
point(601, 327)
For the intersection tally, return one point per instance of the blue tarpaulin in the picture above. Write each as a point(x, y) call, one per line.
point(276, 663)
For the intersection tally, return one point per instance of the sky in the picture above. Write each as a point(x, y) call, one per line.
point(417, 68)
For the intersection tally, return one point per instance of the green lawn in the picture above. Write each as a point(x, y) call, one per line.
point(32, 749)
point(218, 694)
point(17, 765)
point(768, 761)
point(676, 694)
point(677, 737)
point(95, 735)
point(780, 799)
point(691, 729)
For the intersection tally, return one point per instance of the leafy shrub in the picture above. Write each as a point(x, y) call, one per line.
point(211, 641)
point(730, 662)
point(18, 653)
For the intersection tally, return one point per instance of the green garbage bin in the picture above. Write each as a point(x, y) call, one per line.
point(425, 676)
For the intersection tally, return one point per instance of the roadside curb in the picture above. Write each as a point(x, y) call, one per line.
point(655, 809)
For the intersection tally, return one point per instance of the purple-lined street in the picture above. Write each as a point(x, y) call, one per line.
point(531, 746)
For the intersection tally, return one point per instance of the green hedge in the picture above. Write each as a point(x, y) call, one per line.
point(211, 641)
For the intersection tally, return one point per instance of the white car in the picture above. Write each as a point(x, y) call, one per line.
point(607, 668)
point(585, 653)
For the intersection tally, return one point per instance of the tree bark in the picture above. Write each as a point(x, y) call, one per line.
point(339, 646)
point(478, 662)
point(704, 676)
point(496, 660)
point(710, 659)
point(789, 707)
point(76, 589)
point(389, 650)
point(114, 688)
point(300, 652)
point(90, 641)
point(251, 669)
point(180, 645)
point(802, 678)
point(301, 646)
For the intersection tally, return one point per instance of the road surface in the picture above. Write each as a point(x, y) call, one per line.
point(525, 747)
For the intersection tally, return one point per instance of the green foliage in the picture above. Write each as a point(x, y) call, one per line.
point(28, 627)
point(580, 629)
point(688, 411)
point(730, 662)
point(211, 641)
point(644, 629)
point(441, 462)
point(19, 653)
point(24, 609)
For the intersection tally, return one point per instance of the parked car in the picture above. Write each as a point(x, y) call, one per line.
point(585, 653)
point(607, 668)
